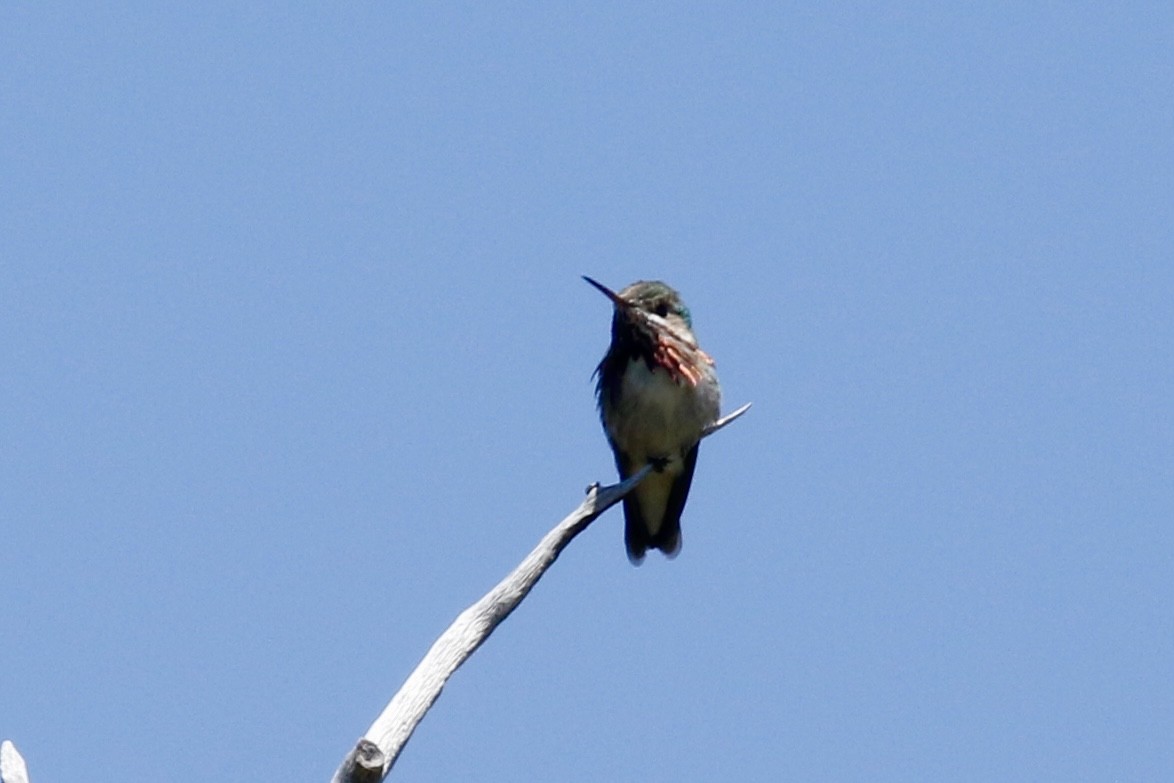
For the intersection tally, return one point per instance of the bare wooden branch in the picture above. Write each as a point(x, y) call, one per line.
point(724, 420)
point(372, 758)
point(12, 766)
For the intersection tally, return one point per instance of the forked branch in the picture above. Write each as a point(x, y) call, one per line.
point(373, 756)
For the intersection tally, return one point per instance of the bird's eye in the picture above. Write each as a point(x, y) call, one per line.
point(662, 309)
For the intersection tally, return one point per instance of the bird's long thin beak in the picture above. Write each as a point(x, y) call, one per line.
point(610, 294)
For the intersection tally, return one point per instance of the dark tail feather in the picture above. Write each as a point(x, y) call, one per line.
point(635, 531)
point(668, 535)
point(637, 540)
point(668, 538)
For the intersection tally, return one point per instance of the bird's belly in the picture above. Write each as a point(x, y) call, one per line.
point(656, 417)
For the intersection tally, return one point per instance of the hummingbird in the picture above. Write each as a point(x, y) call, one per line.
point(656, 390)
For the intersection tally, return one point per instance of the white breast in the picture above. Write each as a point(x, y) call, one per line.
point(658, 417)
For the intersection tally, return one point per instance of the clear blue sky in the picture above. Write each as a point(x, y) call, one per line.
point(297, 365)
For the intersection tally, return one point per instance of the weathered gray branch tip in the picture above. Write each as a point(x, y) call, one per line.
point(12, 767)
point(372, 758)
